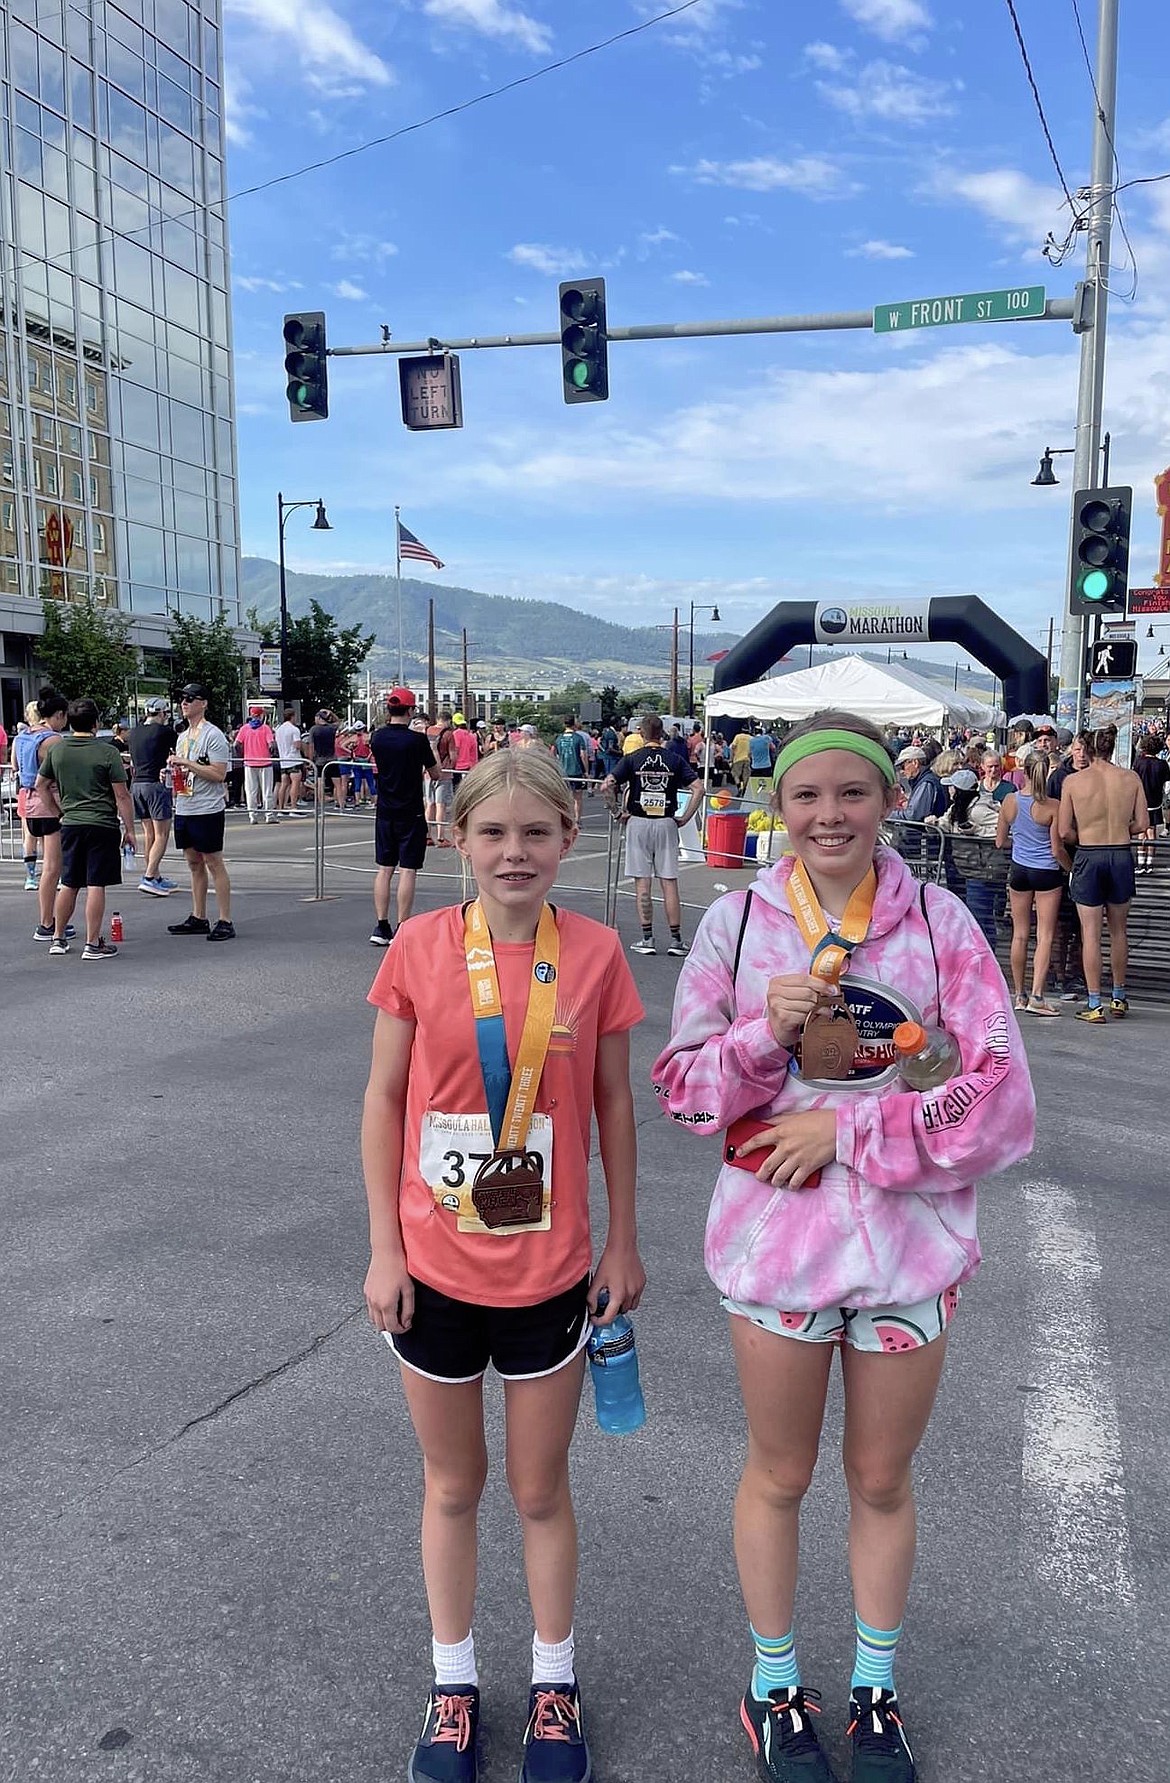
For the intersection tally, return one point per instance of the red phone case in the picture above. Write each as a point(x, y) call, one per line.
point(738, 1134)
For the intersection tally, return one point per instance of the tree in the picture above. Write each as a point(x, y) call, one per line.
point(611, 703)
point(648, 701)
point(266, 629)
point(323, 661)
point(208, 651)
point(85, 654)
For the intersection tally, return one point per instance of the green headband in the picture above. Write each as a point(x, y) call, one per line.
point(814, 742)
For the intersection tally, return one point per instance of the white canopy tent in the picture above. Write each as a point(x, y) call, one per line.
point(887, 694)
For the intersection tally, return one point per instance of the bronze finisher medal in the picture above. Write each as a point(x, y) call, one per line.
point(509, 1190)
point(829, 1038)
point(828, 1042)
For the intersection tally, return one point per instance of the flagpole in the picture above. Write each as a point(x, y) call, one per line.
point(398, 579)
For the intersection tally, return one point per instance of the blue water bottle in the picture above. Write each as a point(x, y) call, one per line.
point(613, 1363)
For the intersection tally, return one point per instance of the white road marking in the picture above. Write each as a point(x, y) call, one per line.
point(1074, 1515)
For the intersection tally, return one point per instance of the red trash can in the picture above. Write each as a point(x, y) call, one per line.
point(726, 836)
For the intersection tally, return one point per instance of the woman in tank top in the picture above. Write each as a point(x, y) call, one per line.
point(1039, 865)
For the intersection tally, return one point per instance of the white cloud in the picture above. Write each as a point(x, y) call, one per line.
point(328, 49)
point(827, 57)
point(493, 19)
point(889, 94)
point(237, 107)
point(353, 293)
point(279, 286)
point(879, 250)
point(1024, 208)
point(553, 262)
point(894, 21)
point(814, 176)
point(683, 277)
point(657, 238)
point(906, 432)
point(366, 248)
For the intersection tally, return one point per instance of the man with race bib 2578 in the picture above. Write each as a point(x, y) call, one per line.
point(654, 780)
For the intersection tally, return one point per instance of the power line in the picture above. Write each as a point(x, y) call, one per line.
point(1040, 107)
point(452, 111)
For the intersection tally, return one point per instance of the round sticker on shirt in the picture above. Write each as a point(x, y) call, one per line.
point(877, 1011)
point(544, 972)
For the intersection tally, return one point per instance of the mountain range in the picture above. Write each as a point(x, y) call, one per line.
point(511, 642)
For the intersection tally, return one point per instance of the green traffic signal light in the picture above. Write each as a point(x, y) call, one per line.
point(1100, 550)
point(305, 363)
point(584, 341)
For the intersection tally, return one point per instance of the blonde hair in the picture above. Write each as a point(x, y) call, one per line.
point(1037, 768)
point(512, 770)
point(31, 714)
point(947, 762)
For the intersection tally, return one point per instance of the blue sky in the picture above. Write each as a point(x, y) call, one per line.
point(733, 161)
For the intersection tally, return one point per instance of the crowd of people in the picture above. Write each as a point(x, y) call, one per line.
point(1051, 822)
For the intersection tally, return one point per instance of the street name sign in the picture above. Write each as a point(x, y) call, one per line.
point(1019, 304)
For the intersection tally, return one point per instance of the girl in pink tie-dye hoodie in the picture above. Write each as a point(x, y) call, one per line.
point(852, 1225)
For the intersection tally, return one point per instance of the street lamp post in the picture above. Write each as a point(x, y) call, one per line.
point(1046, 477)
point(714, 612)
point(320, 524)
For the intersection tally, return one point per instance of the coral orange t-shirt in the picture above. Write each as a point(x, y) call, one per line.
point(423, 979)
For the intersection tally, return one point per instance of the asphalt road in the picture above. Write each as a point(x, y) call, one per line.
point(209, 1488)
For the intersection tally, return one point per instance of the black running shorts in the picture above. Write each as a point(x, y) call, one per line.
point(451, 1340)
point(1102, 875)
point(399, 841)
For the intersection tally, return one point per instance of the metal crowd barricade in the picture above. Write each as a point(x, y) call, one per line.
point(11, 839)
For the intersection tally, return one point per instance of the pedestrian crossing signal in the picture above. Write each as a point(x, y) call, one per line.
point(305, 366)
point(1100, 550)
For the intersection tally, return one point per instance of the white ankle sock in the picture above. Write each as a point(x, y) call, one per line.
point(455, 1664)
point(552, 1661)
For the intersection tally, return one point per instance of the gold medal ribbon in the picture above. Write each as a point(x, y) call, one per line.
point(831, 949)
point(511, 1090)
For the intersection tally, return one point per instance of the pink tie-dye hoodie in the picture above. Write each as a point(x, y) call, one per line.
point(893, 1219)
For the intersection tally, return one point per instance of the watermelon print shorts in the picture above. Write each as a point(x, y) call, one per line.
point(884, 1329)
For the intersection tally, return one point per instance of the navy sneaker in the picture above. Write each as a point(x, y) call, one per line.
point(446, 1749)
point(555, 1750)
point(881, 1751)
point(783, 1737)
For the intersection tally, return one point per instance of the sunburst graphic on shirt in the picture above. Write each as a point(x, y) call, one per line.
point(562, 1042)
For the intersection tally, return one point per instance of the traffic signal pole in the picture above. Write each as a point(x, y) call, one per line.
point(1056, 309)
point(1091, 385)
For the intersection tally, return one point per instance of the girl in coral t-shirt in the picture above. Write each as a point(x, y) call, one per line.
point(503, 1028)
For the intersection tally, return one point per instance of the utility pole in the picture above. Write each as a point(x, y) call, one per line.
point(466, 692)
point(1090, 388)
point(674, 665)
point(432, 693)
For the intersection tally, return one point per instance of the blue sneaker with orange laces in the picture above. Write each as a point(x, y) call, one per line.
point(446, 1749)
point(555, 1749)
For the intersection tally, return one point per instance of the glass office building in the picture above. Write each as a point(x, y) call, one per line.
point(117, 435)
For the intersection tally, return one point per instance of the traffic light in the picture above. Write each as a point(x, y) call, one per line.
point(1100, 550)
point(305, 363)
point(584, 341)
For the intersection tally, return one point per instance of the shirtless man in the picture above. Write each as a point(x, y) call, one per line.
point(1101, 808)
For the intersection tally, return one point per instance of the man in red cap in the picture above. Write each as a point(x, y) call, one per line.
point(402, 759)
point(257, 741)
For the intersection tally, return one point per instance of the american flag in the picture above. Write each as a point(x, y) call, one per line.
point(409, 546)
